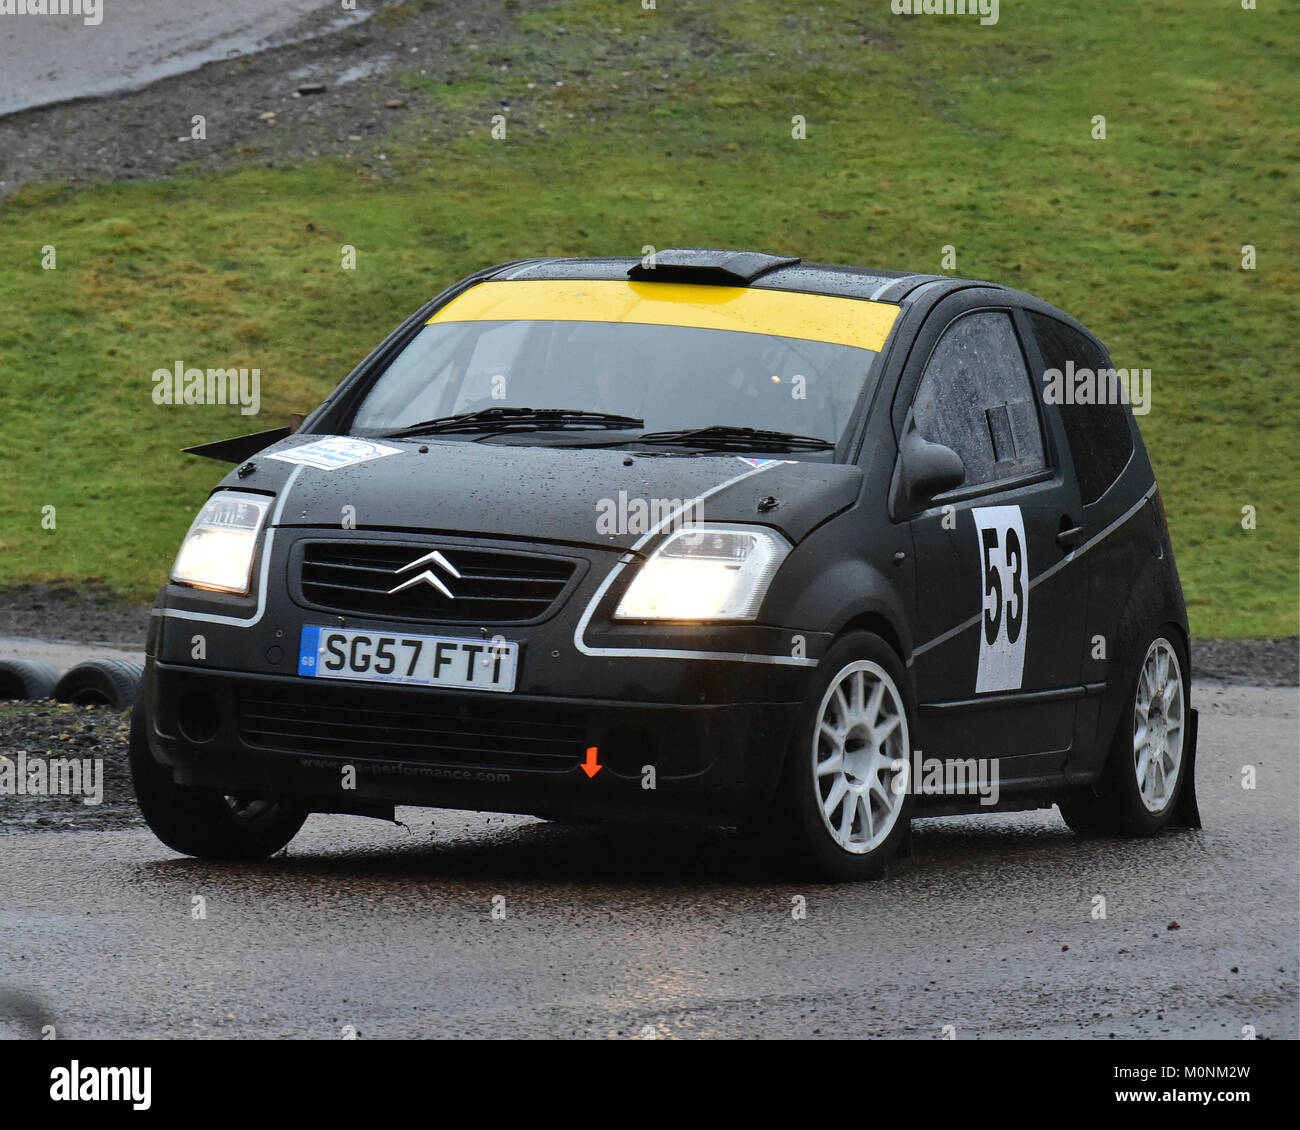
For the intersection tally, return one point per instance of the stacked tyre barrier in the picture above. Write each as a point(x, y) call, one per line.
point(95, 682)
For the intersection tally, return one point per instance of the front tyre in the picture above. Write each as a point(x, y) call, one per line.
point(1140, 785)
point(205, 822)
point(845, 801)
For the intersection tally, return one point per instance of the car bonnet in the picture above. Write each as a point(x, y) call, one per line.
point(599, 497)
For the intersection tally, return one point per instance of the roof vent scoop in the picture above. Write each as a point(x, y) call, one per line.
point(701, 265)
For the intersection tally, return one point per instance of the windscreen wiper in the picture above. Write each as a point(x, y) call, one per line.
point(502, 418)
point(736, 438)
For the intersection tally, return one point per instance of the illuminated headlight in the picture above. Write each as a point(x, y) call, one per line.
point(218, 551)
point(706, 573)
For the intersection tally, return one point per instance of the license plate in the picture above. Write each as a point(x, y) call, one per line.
point(435, 661)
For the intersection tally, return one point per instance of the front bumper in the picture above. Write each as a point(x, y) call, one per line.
point(417, 746)
point(709, 708)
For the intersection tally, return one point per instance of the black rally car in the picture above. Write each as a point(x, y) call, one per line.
point(719, 536)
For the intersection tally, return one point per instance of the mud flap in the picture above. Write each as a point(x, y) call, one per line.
point(1186, 813)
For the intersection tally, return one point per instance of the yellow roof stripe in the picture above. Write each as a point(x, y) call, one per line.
point(816, 317)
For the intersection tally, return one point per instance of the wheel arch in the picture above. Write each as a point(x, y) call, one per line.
point(876, 621)
point(1152, 601)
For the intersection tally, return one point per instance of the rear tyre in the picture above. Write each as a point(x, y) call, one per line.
point(101, 682)
point(24, 679)
point(845, 799)
point(1140, 785)
point(204, 822)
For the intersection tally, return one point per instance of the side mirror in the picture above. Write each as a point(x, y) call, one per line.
point(927, 469)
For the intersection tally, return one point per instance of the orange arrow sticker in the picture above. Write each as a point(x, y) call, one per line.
point(590, 766)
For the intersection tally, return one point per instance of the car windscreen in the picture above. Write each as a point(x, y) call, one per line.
point(669, 376)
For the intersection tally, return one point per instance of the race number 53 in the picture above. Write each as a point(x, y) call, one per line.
point(1004, 567)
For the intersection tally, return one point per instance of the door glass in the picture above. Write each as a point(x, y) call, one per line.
point(976, 397)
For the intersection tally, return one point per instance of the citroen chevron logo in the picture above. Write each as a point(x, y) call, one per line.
point(428, 577)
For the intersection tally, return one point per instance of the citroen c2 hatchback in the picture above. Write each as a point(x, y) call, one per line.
point(722, 537)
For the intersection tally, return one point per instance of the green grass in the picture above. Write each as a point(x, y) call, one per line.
point(673, 127)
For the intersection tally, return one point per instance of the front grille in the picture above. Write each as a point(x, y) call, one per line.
point(383, 724)
point(493, 587)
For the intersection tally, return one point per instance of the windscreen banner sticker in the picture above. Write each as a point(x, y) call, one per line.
point(1004, 567)
point(336, 451)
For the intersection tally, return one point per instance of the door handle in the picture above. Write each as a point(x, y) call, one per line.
point(1068, 539)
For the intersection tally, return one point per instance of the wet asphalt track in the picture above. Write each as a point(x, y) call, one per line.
point(613, 932)
point(52, 58)
point(62, 654)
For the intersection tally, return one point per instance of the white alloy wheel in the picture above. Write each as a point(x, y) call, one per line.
point(1159, 724)
point(859, 756)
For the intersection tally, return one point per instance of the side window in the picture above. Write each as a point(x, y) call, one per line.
point(1099, 435)
point(976, 397)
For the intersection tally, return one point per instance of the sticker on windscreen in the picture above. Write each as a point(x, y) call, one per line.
point(336, 451)
point(1004, 569)
point(763, 462)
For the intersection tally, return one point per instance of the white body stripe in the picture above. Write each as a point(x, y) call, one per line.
point(1069, 558)
point(240, 622)
point(580, 631)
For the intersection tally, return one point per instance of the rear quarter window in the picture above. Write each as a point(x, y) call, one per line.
point(1100, 435)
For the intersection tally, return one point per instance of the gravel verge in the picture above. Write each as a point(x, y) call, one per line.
point(1268, 663)
point(41, 732)
point(67, 611)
